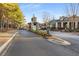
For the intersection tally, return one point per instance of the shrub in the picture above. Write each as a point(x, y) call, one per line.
point(40, 32)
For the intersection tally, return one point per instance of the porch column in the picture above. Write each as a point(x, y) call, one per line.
point(56, 25)
point(72, 25)
point(68, 25)
point(61, 24)
point(76, 25)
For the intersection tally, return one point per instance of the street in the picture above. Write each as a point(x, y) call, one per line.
point(73, 38)
point(27, 43)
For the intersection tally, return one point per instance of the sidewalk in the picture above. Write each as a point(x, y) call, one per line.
point(4, 36)
point(75, 33)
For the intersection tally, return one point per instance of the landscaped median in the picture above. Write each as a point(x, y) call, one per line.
point(57, 40)
point(40, 32)
point(5, 40)
point(52, 38)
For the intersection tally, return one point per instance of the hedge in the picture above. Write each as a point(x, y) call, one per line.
point(40, 32)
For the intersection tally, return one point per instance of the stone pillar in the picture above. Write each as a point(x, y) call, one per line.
point(68, 25)
point(76, 25)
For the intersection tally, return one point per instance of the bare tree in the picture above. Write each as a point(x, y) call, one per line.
point(46, 17)
point(72, 9)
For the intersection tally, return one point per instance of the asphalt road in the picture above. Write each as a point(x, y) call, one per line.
point(29, 44)
point(73, 38)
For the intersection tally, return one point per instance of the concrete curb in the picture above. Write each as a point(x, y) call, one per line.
point(59, 41)
point(5, 45)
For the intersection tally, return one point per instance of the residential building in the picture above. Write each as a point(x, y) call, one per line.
point(71, 23)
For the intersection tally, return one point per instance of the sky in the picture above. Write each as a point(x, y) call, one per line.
point(53, 9)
